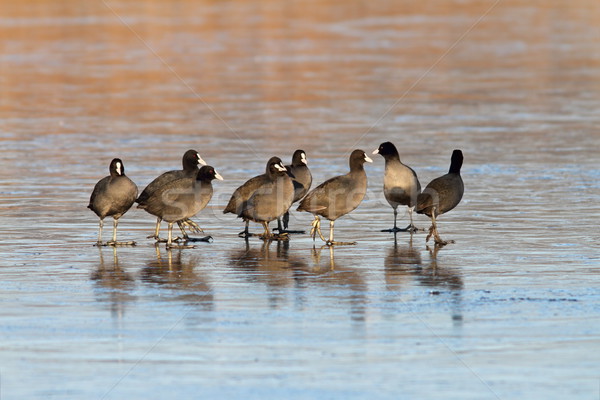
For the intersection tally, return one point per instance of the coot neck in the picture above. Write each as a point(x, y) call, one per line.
point(190, 165)
point(392, 157)
point(455, 166)
point(454, 171)
point(357, 168)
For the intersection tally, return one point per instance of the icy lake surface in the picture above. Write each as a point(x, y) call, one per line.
point(509, 311)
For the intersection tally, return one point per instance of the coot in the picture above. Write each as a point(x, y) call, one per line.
point(337, 196)
point(270, 200)
point(181, 199)
point(190, 161)
point(441, 195)
point(400, 184)
point(245, 191)
point(112, 196)
point(302, 179)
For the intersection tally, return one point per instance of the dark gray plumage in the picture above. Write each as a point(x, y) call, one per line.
point(271, 199)
point(190, 161)
point(182, 198)
point(245, 191)
point(400, 184)
point(441, 195)
point(112, 196)
point(337, 196)
point(302, 179)
point(300, 174)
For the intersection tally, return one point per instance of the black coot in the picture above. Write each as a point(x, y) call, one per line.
point(270, 200)
point(400, 184)
point(442, 195)
point(245, 191)
point(112, 196)
point(337, 196)
point(190, 161)
point(182, 198)
point(302, 179)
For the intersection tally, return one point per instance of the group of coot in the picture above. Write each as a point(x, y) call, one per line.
point(176, 196)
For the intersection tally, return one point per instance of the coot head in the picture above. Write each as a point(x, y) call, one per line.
point(116, 167)
point(456, 162)
point(275, 167)
point(191, 159)
point(299, 158)
point(386, 149)
point(358, 158)
point(208, 173)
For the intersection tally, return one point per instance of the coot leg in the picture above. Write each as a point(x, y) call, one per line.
point(316, 228)
point(101, 226)
point(170, 244)
point(192, 226)
point(286, 220)
point(331, 242)
point(266, 234)
point(411, 228)
point(284, 229)
point(114, 242)
point(395, 228)
point(157, 231)
point(245, 233)
point(434, 232)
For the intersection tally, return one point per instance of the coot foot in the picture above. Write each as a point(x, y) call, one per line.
point(113, 243)
point(436, 237)
point(290, 232)
point(442, 243)
point(275, 236)
point(207, 239)
point(410, 228)
point(333, 243)
point(191, 225)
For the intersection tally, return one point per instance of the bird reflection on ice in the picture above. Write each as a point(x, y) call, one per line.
point(171, 270)
point(113, 283)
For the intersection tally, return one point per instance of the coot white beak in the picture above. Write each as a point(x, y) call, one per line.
point(201, 161)
point(218, 176)
point(367, 159)
point(376, 151)
point(303, 159)
point(280, 167)
point(119, 168)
